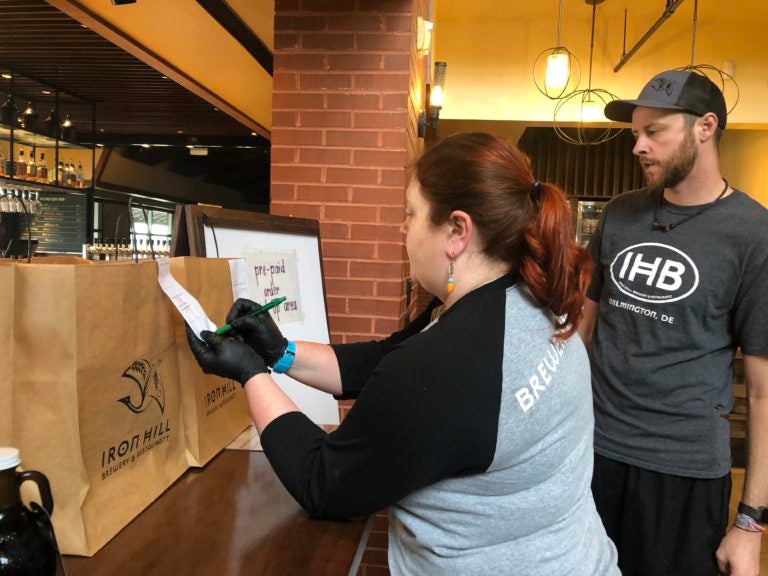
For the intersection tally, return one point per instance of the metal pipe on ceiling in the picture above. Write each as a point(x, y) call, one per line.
point(672, 5)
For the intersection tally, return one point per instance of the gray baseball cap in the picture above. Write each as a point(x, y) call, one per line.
point(683, 90)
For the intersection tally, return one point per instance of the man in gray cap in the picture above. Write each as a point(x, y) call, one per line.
point(680, 281)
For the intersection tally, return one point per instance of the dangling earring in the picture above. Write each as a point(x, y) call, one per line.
point(451, 280)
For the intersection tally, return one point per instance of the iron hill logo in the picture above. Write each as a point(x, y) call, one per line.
point(126, 450)
point(149, 384)
point(653, 272)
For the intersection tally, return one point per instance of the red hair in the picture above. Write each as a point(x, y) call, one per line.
point(491, 180)
point(553, 266)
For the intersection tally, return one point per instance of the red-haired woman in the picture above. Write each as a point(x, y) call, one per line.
point(475, 429)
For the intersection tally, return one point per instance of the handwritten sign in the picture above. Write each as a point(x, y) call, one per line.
point(271, 274)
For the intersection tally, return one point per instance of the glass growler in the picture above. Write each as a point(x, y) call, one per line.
point(27, 542)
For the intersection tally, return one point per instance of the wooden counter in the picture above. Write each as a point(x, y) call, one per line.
point(233, 517)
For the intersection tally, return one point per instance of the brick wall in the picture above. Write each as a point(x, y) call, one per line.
point(348, 88)
point(343, 131)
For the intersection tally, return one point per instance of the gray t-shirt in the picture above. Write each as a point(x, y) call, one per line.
point(475, 431)
point(531, 513)
point(674, 306)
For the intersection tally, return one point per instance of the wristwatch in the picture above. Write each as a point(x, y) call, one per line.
point(759, 514)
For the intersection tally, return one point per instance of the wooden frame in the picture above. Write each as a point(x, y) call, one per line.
point(206, 231)
point(189, 221)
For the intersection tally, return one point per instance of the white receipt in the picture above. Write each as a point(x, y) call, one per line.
point(239, 275)
point(184, 302)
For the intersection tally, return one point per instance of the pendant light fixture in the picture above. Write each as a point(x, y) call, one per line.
point(29, 117)
point(9, 112)
point(589, 103)
point(561, 70)
point(719, 76)
point(68, 129)
point(52, 123)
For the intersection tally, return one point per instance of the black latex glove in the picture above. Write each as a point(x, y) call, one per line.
point(259, 332)
point(225, 357)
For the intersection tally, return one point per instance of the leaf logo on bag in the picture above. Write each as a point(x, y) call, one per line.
point(144, 374)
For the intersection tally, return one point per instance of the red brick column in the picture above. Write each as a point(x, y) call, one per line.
point(347, 87)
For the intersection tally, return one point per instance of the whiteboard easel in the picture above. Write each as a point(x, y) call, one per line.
point(220, 232)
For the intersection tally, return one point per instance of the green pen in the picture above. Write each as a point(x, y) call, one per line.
point(268, 306)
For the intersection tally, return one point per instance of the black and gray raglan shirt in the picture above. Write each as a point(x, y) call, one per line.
point(476, 432)
point(674, 306)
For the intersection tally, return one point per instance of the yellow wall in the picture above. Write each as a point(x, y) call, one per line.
point(491, 48)
point(743, 155)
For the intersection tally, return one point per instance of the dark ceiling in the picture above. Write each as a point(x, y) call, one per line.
point(132, 103)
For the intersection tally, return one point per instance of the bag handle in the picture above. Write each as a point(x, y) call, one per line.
point(207, 221)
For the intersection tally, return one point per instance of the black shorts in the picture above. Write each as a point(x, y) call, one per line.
point(662, 525)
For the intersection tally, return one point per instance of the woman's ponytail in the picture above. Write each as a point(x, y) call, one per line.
point(522, 223)
point(555, 269)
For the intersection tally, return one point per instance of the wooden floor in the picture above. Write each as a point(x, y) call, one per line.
point(737, 474)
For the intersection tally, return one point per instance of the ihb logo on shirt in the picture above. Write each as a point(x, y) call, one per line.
point(652, 272)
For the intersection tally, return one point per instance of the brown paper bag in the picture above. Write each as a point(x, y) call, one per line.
point(215, 409)
point(6, 352)
point(95, 391)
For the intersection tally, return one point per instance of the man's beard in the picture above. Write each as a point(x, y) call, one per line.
point(678, 166)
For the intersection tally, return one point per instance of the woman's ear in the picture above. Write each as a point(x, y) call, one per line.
point(461, 231)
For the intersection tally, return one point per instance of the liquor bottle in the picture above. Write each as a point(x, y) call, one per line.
point(2, 164)
point(70, 168)
point(31, 166)
point(21, 165)
point(29, 117)
point(42, 169)
point(80, 175)
point(60, 173)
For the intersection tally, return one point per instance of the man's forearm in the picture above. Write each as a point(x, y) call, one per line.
point(756, 478)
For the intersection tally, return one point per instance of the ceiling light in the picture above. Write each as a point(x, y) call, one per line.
point(591, 105)
point(434, 91)
point(436, 96)
point(592, 110)
point(562, 68)
point(558, 71)
point(713, 72)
